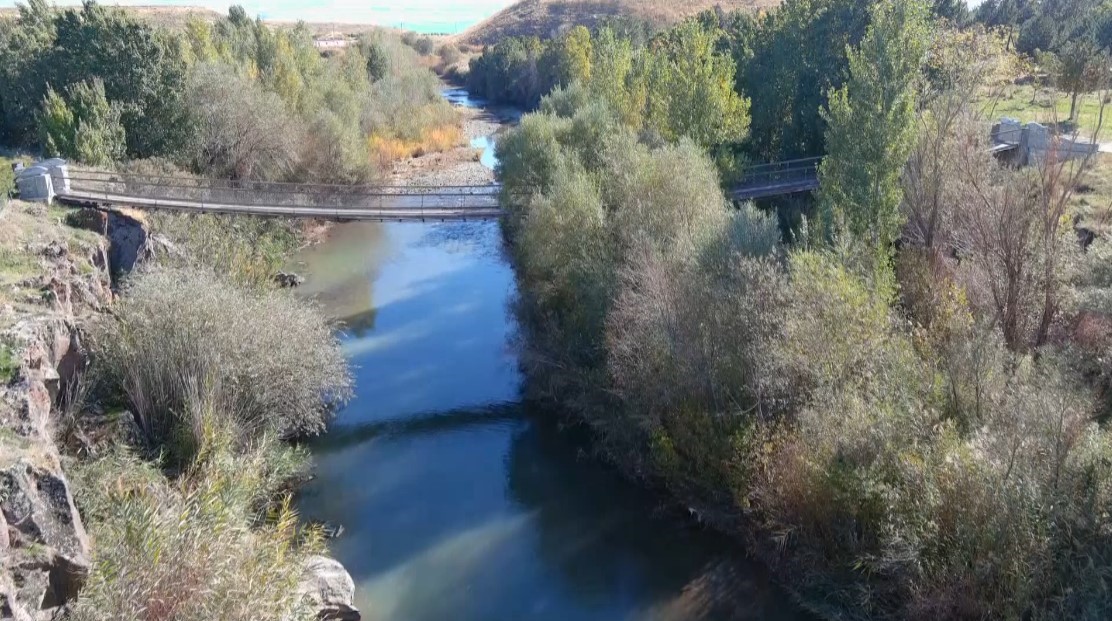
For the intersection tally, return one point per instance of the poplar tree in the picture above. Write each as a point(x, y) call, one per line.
point(871, 128)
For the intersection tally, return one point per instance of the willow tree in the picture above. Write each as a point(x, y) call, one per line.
point(871, 128)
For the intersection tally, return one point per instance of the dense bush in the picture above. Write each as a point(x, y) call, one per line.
point(193, 548)
point(905, 410)
point(680, 86)
point(82, 125)
point(234, 98)
point(266, 363)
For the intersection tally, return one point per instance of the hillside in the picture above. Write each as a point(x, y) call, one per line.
point(544, 18)
point(173, 17)
point(176, 17)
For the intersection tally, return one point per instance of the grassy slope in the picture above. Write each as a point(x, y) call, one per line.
point(545, 17)
point(1047, 106)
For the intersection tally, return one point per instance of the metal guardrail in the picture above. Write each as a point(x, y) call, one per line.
point(215, 193)
point(792, 174)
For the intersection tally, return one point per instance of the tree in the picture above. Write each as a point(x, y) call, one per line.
point(56, 125)
point(957, 11)
point(871, 128)
point(574, 57)
point(83, 126)
point(788, 87)
point(1038, 34)
point(690, 91)
point(141, 73)
point(241, 131)
point(1080, 67)
point(23, 42)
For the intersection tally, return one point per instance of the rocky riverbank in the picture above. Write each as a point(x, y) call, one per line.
point(58, 269)
point(461, 165)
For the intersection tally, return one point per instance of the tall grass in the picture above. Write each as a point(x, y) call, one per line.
point(269, 361)
point(204, 546)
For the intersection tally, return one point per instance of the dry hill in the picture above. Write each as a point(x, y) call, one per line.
point(173, 17)
point(543, 18)
point(176, 17)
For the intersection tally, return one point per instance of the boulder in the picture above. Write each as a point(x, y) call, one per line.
point(130, 243)
point(330, 589)
point(48, 541)
point(288, 280)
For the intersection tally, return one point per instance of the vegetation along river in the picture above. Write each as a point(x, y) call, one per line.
point(459, 503)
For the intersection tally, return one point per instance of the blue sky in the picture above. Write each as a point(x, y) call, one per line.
point(437, 15)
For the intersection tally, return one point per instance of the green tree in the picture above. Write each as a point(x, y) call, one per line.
point(691, 89)
point(796, 57)
point(23, 43)
point(83, 126)
point(1079, 68)
point(871, 127)
point(56, 125)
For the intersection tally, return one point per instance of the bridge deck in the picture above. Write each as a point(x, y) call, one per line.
point(768, 190)
point(394, 208)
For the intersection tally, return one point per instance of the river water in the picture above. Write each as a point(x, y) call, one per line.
point(458, 502)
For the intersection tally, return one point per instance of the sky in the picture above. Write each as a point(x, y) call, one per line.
point(422, 15)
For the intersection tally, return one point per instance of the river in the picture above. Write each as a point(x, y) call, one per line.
point(460, 503)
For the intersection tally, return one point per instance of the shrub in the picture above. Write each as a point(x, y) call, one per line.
point(449, 54)
point(245, 249)
point(83, 125)
point(268, 363)
point(194, 548)
point(241, 130)
point(424, 45)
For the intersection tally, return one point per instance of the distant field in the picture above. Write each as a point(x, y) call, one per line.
point(543, 18)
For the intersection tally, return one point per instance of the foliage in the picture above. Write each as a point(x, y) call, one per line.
point(83, 125)
point(871, 125)
point(1078, 68)
point(929, 455)
point(242, 131)
point(679, 85)
point(789, 87)
point(264, 362)
point(194, 548)
point(233, 98)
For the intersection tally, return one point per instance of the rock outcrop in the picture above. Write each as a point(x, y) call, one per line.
point(45, 553)
point(330, 590)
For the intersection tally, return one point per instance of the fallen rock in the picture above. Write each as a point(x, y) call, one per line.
point(130, 243)
point(288, 280)
point(330, 589)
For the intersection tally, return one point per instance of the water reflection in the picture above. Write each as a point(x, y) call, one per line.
point(457, 501)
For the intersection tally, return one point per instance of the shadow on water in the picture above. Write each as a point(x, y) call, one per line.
point(561, 537)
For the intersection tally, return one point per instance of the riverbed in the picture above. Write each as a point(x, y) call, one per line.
point(457, 500)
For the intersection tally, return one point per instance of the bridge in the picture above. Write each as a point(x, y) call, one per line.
point(83, 187)
point(778, 179)
point(347, 202)
point(315, 200)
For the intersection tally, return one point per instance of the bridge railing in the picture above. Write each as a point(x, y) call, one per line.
point(278, 194)
point(776, 173)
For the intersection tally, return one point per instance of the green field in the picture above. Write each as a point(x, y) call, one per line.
point(1047, 106)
